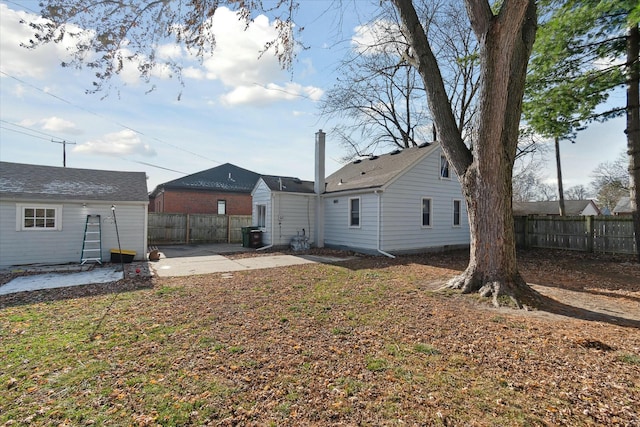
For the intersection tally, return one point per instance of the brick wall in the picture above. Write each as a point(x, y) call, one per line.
point(201, 202)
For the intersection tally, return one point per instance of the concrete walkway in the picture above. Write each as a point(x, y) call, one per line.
point(179, 260)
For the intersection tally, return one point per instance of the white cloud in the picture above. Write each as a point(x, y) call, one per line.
point(260, 95)
point(56, 124)
point(120, 143)
point(378, 37)
point(20, 61)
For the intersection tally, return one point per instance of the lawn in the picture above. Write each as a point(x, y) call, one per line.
point(364, 342)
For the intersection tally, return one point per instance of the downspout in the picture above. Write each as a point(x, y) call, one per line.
point(380, 251)
point(270, 245)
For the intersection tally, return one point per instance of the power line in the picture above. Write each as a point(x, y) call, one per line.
point(29, 129)
point(106, 118)
point(25, 133)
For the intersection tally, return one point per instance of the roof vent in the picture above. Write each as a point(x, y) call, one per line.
point(393, 153)
point(355, 162)
point(424, 144)
point(373, 157)
point(297, 181)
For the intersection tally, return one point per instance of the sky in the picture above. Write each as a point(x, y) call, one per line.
point(234, 107)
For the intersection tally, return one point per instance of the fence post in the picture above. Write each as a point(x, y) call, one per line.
point(590, 233)
point(187, 231)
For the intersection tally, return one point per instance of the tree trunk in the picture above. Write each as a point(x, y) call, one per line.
point(505, 41)
point(633, 128)
point(559, 169)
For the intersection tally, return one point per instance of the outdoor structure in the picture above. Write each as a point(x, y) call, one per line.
point(223, 190)
point(283, 208)
point(401, 202)
point(571, 207)
point(623, 207)
point(44, 210)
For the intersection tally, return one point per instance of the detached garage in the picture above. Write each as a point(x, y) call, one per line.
point(45, 212)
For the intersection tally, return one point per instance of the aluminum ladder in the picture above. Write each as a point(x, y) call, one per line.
point(92, 243)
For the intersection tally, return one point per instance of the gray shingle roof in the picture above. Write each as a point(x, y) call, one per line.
point(572, 207)
point(376, 171)
point(225, 178)
point(288, 184)
point(623, 206)
point(35, 182)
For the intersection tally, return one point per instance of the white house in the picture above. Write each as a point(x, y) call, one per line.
point(401, 202)
point(44, 209)
point(283, 208)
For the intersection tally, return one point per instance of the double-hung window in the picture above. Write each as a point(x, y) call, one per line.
point(456, 213)
point(262, 215)
point(444, 167)
point(354, 212)
point(426, 212)
point(222, 207)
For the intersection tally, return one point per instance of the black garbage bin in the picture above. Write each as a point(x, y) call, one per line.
point(256, 238)
point(246, 236)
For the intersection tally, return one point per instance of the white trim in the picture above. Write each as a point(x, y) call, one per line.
point(359, 199)
point(422, 199)
point(20, 208)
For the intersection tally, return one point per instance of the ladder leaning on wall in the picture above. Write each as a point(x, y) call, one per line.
point(92, 243)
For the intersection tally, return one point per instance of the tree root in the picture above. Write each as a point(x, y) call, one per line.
point(506, 292)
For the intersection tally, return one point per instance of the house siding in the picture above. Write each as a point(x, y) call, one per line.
point(337, 232)
point(65, 246)
point(295, 215)
point(401, 209)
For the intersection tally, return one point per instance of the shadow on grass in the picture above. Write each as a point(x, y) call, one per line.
point(72, 292)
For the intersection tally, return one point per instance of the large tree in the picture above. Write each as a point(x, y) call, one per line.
point(505, 38)
point(584, 50)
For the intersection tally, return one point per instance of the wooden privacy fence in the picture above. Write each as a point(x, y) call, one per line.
point(605, 234)
point(166, 228)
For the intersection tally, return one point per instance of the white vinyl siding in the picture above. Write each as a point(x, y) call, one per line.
point(401, 226)
point(293, 214)
point(65, 246)
point(337, 232)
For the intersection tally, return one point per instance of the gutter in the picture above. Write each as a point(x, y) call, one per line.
point(380, 251)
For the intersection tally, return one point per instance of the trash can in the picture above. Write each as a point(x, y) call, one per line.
point(246, 236)
point(256, 238)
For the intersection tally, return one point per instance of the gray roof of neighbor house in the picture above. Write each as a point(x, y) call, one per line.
point(376, 171)
point(623, 205)
point(224, 178)
point(571, 207)
point(35, 182)
point(288, 184)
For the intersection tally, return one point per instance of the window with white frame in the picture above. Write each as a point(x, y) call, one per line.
point(456, 213)
point(222, 207)
point(262, 215)
point(34, 217)
point(426, 212)
point(444, 167)
point(354, 212)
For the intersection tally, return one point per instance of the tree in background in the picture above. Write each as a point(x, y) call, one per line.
point(584, 50)
point(611, 181)
point(380, 99)
point(505, 38)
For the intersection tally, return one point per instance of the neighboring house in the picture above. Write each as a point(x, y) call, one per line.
point(550, 208)
point(223, 190)
point(401, 202)
point(43, 212)
point(623, 207)
point(283, 207)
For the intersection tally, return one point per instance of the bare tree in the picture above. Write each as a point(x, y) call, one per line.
point(380, 101)
point(611, 180)
point(577, 192)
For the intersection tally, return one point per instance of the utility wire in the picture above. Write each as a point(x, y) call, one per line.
point(106, 118)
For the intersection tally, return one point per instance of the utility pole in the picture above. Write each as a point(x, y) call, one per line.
point(64, 150)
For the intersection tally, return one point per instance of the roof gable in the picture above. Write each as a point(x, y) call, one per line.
point(623, 205)
point(23, 181)
point(226, 178)
point(376, 171)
